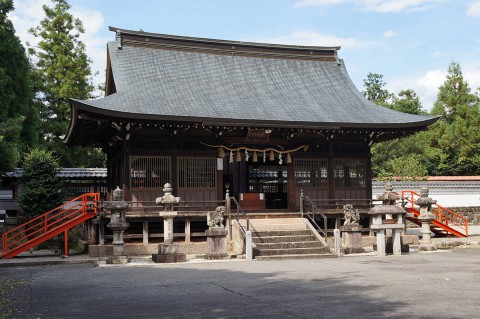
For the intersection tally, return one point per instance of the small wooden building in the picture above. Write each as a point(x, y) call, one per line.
point(261, 120)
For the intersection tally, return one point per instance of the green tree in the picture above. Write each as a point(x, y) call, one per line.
point(63, 72)
point(374, 89)
point(454, 96)
point(40, 188)
point(407, 102)
point(408, 167)
point(457, 135)
point(18, 118)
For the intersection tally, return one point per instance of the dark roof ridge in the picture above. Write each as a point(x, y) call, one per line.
point(141, 38)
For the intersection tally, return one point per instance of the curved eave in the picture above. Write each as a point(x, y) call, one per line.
point(82, 105)
point(79, 107)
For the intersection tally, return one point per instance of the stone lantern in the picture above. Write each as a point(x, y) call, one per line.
point(426, 217)
point(168, 252)
point(118, 225)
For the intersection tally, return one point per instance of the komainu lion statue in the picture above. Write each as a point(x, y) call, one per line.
point(352, 217)
point(215, 218)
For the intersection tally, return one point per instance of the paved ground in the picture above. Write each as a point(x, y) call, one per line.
point(442, 284)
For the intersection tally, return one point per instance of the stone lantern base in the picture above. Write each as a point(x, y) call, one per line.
point(352, 239)
point(169, 253)
point(216, 243)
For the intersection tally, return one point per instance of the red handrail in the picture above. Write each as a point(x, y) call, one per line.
point(52, 222)
point(443, 215)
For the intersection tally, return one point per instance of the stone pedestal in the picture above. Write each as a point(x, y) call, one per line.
point(426, 242)
point(168, 226)
point(426, 217)
point(168, 252)
point(380, 224)
point(217, 243)
point(118, 225)
point(352, 239)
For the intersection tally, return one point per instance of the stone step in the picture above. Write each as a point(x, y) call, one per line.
point(278, 221)
point(281, 233)
point(290, 251)
point(288, 245)
point(277, 227)
point(286, 257)
point(283, 238)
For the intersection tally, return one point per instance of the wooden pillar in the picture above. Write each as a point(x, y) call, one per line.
point(187, 230)
point(101, 234)
point(331, 172)
point(65, 243)
point(145, 232)
point(291, 185)
point(220, 168)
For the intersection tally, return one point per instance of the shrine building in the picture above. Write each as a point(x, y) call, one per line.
point(263, 121)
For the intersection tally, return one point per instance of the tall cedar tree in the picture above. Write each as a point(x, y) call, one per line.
point(18, 118)
point(40, 188)
point(374, 89)
point(63, 72)
point(458, 132)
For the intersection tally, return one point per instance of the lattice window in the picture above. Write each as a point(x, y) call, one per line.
point(350, 173)
point(149, 171)
point(194, 172)
point(311, 173)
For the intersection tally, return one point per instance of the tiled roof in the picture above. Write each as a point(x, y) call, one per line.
point(68, 173)
point(451, 182)
point(171, 83)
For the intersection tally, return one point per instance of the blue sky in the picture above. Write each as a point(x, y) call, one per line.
point(409, 42)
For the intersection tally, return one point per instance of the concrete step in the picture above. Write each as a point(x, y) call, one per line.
point(283, 233)
point(288, 245)
point(286, 257)
point(286, 238)
point(290, 251)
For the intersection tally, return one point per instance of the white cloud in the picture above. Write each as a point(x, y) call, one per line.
point(426, 86)
point(28, 14)
point(474, 9)
point(472, 76)
point(93, 23)
point(315, 39)
point(389, 34)
point(381, 6)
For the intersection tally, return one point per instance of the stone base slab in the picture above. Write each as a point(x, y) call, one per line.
point(118, 260)
point(168, 249)
point(352, 250)
point(216, 256)
point(170, 258)
point(100, 250)
point(427, 247)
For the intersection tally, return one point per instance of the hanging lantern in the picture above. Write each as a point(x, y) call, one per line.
point(272, 156)
point(255, 159)
point(289, 158)
point(221, 152)
point(239, 157)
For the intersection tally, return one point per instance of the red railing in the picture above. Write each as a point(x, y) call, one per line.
point(50, 224)
point(452, 222)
